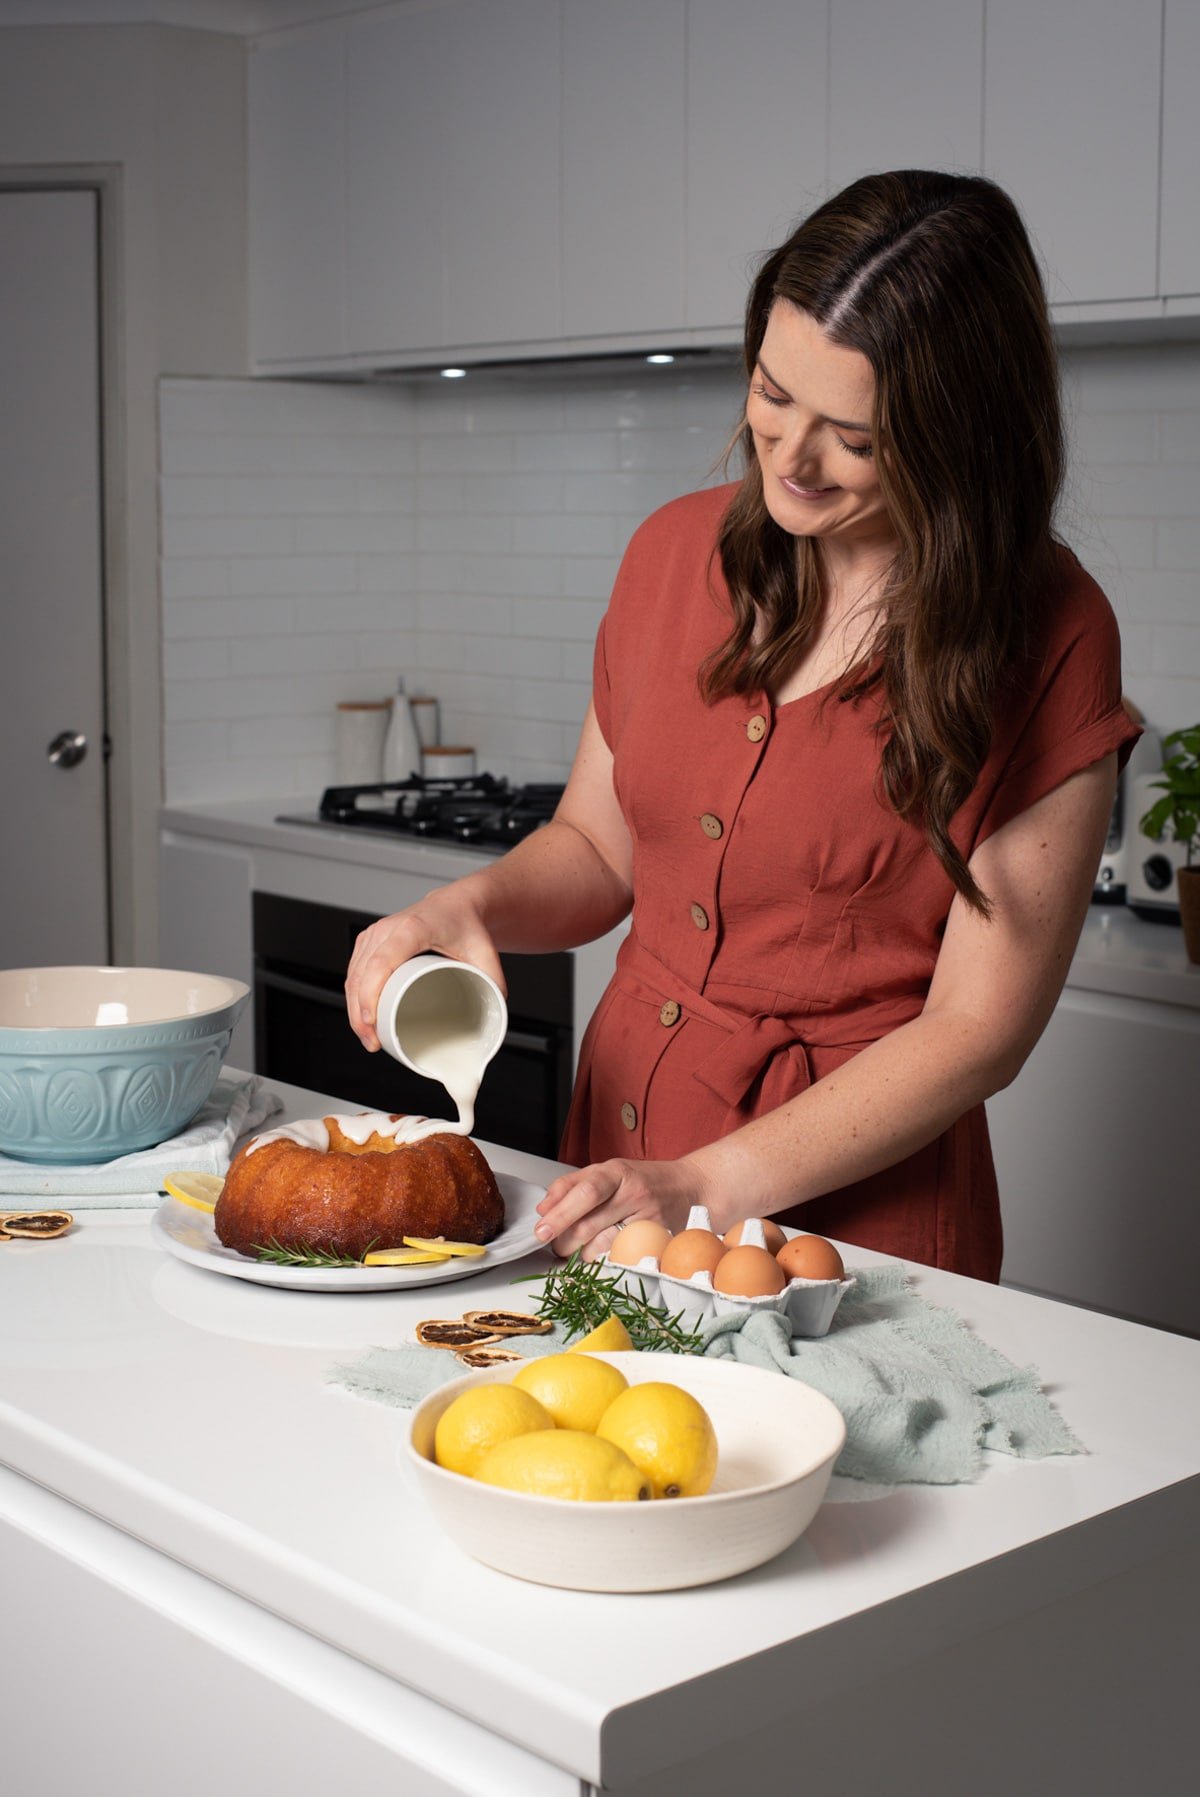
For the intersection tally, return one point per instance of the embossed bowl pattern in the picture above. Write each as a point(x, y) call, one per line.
point(97, 1062)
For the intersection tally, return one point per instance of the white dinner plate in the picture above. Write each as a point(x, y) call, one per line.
point(190, 1236)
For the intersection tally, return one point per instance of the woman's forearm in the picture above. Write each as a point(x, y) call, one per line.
point(881, 1106)
point(552, 891)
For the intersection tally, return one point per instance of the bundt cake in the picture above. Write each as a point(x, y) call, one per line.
point(344, 1185)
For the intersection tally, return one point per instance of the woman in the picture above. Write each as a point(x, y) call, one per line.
point(850, 761)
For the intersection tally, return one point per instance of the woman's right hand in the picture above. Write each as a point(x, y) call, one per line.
point(446, 922)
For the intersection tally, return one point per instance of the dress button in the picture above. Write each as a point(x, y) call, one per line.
point(756, 729)
point(670, 1014)
point(712, 826)
point(629, 1115)
point(699, 916)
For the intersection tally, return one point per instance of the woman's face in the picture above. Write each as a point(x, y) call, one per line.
point(809, 407)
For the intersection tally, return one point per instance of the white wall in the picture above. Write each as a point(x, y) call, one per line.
point(160, 113)
point(316, 539)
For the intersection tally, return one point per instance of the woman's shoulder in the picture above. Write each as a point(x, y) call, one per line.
point(1078, 603)
point(690, 522)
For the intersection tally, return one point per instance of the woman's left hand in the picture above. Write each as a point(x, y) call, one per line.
point(585, 1208)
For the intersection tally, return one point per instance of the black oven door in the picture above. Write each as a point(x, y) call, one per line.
point(301, 951)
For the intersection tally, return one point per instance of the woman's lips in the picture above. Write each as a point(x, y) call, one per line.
point(805, 492)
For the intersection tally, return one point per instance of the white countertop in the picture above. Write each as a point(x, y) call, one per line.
point(192, 1411)
point(1118, 953)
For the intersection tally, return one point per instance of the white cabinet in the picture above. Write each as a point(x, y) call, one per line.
point(1179, 269)
point(297, 156)
point(506, 177)
point(1096, 1158)
point(904, 86)
point(623, 98)
point(453, 178)
point(748, 184)
point(204, 922)
point(1071, 109)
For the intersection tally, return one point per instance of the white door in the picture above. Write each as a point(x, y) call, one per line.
point(53, 822)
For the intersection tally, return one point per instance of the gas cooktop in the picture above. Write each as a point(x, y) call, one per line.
point(480, 812)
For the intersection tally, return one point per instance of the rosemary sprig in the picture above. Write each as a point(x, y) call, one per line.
point(582, 1294)
point(302, 1254)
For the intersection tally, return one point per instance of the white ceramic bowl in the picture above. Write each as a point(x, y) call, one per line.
point(101, 1061)
point(777, 1441)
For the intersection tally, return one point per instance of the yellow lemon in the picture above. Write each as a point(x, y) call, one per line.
point(480, 1419)
point(667, 1434)
point(200, 1190)
point(436, 1244)
point(567, 1464)
point(609, 1337)
point(402, 1257)
point(575, 1389)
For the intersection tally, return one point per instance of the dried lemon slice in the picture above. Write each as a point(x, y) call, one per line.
point(200, 1190)
point(38, 1225)
point(507, 1322)
point(402, 1257)
point(437, 1244)
point(441, 1332)
point(486, 1354)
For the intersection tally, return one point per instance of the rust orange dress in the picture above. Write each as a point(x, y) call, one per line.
point(783, 916)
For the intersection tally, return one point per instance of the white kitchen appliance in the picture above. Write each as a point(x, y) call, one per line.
point(1121, 844)
point(1151, 889)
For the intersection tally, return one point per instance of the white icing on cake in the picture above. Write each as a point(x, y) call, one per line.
point(312, 1133)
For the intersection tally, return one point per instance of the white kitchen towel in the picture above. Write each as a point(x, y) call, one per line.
point(237, 1107)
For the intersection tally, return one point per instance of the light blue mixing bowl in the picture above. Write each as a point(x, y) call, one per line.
point(101, 1061)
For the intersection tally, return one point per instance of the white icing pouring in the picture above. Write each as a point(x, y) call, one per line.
point(441, 1026)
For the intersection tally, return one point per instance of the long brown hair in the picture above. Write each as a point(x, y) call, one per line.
point(932, 278)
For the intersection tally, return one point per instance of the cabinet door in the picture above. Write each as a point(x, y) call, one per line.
point(399, 78)
point(1096, 1158)
point(503, 276)
point(623, 137)
point(1071, 104)
point(905, 86)
point(297, 177)
point(755, 143)
point(1180, 265)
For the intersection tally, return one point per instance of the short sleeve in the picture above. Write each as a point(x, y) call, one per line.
point(1071, 715)
point(602, 684)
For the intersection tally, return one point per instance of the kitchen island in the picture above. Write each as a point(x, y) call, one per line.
point(216, 1573)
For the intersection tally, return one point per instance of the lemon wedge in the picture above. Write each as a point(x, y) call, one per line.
point(609, 1337)
point(401, 1257)
point(435, 1245)
point(200, 1190)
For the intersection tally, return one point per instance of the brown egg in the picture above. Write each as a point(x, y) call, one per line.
point(748, 1272)
point(691, 1251)
point(811, 1257)
point(638, 1241)
point(775, 1237)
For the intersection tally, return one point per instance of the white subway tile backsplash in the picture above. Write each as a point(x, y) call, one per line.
point(320, 538)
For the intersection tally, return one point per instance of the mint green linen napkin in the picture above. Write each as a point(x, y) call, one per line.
point(922, 1395)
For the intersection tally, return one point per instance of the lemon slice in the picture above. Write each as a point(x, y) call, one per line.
point(609, 1337)
point(401, 1257)
point(200, 1190)
point(436, 1245)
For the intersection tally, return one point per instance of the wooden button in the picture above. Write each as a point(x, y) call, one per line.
point(699, 917)
point(670, 1014)
point(756, 729)
point(712, 826)
point(629, 1115)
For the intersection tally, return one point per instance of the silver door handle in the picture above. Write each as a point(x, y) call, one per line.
point(68, 748)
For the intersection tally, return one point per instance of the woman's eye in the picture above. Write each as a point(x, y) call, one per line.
point(772, 399)
point(860, 449)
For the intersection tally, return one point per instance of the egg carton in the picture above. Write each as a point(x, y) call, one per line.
point(808, 1304)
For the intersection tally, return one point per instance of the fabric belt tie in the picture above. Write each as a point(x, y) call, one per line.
point(751, 1044)
point(761, 1042)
